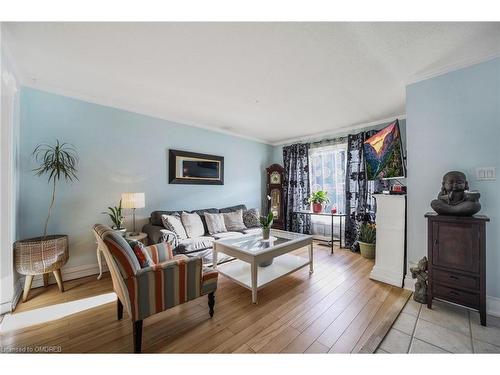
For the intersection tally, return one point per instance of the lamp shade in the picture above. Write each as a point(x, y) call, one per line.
point(133, 200)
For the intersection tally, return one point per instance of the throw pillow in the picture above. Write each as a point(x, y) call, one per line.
point(251, 218)
point(174, 224)
point(141, 254)
point(192, 224)
point(215, 223)
point(234, 220)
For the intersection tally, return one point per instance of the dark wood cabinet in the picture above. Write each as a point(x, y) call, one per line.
point(275, 175)
point(457, 260)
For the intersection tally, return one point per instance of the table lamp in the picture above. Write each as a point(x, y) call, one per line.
point(133, 201)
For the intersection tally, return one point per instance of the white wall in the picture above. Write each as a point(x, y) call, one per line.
point(453, 123)
point(9, 141)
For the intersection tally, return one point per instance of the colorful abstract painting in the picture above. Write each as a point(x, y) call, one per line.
point(383, 154)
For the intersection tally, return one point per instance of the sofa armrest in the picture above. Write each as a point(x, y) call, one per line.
point(159, 234)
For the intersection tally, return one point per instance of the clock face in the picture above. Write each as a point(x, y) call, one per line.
point(275, 178)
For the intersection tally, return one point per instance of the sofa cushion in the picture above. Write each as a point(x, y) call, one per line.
point(251, 218)
point(222, 235)
point(155, 218)
point(174, 224)
point(207, 257)
point(189, 245)
point(215, 223)
point(192, 224)
point(233, 208)
point(202, 216)
point(234, 220)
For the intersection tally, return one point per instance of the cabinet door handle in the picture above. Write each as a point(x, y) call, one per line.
point(435, 242)
point(453, 277)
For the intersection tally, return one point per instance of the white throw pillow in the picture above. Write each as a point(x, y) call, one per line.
point(174, 224)
point(192, 224)
point(234, 220)
point(215, 223)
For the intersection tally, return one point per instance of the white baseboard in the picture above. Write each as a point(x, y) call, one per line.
point(71, 273)
point(386, 276)
point(409, 282)
point(493, 306)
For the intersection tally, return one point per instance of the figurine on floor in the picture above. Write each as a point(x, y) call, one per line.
point(455, 198)
point(420, 273)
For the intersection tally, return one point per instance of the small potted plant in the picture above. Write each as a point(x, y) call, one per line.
point(115, 214)
point(266, 222)
point(318, 199)
point(367, 238)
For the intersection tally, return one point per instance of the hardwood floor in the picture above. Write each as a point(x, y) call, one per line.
point(338, 309)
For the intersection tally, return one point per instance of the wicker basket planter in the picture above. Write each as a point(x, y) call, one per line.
point(40, 256)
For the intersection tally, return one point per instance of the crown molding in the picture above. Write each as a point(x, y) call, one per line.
point(340, 131)
point(450, 68)
point(130, 108)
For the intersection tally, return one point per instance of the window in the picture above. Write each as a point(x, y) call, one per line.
point(327, 172)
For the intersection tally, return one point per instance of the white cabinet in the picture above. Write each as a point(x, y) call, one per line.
point(390, 248)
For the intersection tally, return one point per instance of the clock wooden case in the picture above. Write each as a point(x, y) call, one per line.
point(275, 174)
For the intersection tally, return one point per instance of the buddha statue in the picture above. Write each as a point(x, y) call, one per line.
point(455, 198)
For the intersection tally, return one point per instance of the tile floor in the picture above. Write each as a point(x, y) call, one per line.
point(446, 328)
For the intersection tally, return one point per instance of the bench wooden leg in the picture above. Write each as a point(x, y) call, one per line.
point(27, 286)
point(57, 275)
point(45, 280)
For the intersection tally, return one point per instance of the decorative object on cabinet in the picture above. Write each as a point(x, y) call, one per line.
point(420, 273)
point(455, 198)
point(275, 174)
point(193, 168)
point(456, 248)
point(133, 201)
point(367, 238)
point(48, 253)
point(390, 258)
point(318, 200)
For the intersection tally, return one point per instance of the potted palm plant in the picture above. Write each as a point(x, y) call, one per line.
point(115, 214)
point(266, 223)
point(318, 200)
point(47, 253)
point(367, 238)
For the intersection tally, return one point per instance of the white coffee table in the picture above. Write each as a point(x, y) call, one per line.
point(250, 251)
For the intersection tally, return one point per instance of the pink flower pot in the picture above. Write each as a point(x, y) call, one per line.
point(317, 208)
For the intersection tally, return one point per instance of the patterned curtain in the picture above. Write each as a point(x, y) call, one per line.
point(360, 204)
point(296, 187)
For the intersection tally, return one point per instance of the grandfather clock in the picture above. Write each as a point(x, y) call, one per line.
point(275, 190)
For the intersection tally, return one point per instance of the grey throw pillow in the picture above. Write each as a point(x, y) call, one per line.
point(192, 224)
point(215, 223)
point(251, 218)
point(234, 220)
point(174, 224)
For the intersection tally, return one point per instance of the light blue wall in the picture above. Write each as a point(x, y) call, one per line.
point(453, 123)
point(122, 151)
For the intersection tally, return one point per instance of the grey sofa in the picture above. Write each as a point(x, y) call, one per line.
point(198, 246)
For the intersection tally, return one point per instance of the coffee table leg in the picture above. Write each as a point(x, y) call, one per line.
point(311, 267)
point(254, 282)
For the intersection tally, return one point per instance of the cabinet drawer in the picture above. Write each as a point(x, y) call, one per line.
point(455, 279)
point(455, 295)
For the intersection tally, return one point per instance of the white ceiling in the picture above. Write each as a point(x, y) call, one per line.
point(267, 81)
